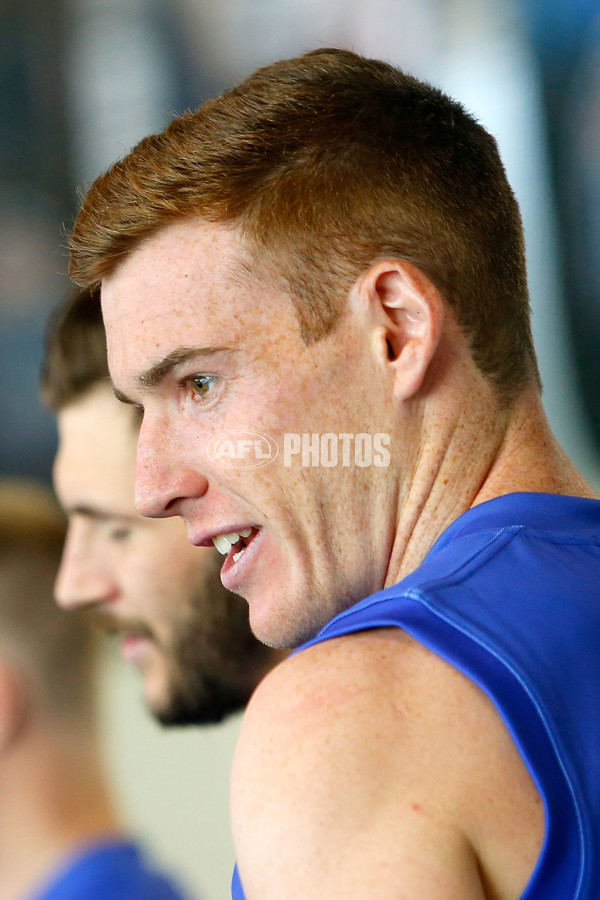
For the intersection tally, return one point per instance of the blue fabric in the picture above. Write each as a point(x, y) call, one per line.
point(510, 595)
point(237, 891)
point(108, 871)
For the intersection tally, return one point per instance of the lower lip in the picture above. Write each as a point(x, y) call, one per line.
point(133, 648)
point(234, 574)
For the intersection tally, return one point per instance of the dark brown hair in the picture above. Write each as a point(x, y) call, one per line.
point(75, 349)
point(327, 163)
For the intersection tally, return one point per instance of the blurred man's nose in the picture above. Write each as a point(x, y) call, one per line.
point(166, 472)
point(83, 579)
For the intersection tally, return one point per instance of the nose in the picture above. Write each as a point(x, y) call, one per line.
point(83, 579)
point(168, 472)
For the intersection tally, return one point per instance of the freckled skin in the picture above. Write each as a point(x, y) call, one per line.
point(182, 287)
point(173, 292)
point(368, 751)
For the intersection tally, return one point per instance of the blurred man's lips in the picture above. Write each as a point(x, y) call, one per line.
point(133, 647)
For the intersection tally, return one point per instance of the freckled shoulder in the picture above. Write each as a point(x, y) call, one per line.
point(370, 751)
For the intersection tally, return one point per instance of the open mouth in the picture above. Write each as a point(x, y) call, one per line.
point(234, 544)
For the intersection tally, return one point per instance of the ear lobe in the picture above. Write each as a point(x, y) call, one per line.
point(413, 313)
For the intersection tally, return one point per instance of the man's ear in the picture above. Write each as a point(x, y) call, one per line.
point(12, 705)
point(410, 314)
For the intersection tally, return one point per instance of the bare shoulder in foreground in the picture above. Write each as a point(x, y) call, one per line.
point(397, 777)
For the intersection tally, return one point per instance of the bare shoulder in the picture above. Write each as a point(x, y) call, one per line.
point(368, 757)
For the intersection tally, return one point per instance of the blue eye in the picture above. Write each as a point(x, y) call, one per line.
point(201, 384)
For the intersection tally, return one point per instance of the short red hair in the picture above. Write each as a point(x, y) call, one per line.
point(327, 163)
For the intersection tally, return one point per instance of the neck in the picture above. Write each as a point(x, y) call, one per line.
point(53, 802)
point(472, 453)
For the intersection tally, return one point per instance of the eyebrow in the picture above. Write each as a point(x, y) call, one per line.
point(92, 512)
point(153, 376)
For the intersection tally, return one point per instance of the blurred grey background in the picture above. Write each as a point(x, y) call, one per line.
point(82, 80)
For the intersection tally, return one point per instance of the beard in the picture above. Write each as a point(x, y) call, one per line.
point(214, 667)
point(212, 660)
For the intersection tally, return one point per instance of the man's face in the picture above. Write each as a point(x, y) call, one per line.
point(187, 634)
point(207, 351)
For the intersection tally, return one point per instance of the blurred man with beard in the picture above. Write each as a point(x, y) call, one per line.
point(189, 636)
point(60, 834)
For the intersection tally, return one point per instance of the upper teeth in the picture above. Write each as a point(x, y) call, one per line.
point(224, 542)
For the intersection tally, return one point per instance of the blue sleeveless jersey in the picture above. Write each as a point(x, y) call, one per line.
point(510, 595)
point(111, 870)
